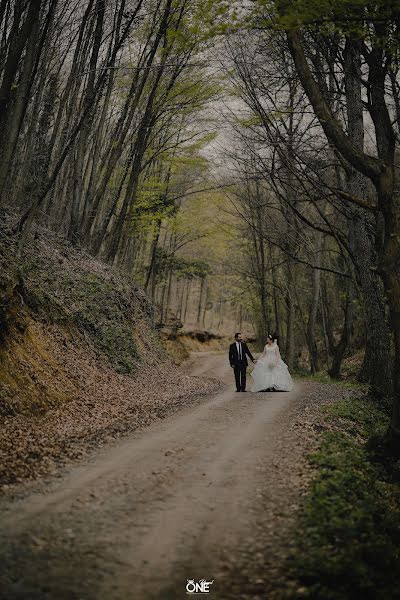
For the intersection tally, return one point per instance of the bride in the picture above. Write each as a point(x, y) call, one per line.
point(270, 372)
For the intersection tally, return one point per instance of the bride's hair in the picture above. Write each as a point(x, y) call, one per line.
point(275, 337)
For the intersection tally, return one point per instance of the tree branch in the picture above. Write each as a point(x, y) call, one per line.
point(368, 165)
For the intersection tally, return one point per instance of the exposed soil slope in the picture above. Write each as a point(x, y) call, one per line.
point(80, 359)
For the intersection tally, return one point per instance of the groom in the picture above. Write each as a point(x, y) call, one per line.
point(238, 361)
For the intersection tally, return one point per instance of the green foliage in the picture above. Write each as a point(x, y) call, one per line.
point(323, 377)
point(103, 309)
point(152, 204)
point(158, 197)
point(211, 18)
point(254, 120)
point(348, 537)
point(181, 267)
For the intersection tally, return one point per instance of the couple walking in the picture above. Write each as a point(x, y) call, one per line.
point(269, 373)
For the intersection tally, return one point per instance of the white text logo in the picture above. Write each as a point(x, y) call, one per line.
point(202, 586)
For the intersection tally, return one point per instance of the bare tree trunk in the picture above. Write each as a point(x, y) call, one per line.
point(290, 317)
point(312, 319)
point(11, 111)
point(202, 287)
point(377, 363)
point(203, 318)
point(153, 255)
point(340, 349)
point(189, 285)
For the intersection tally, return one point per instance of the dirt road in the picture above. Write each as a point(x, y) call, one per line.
point(187, 498)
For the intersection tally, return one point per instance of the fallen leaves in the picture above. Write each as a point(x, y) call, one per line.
point(104, 405)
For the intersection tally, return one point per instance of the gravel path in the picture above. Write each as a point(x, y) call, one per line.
point(208, 493)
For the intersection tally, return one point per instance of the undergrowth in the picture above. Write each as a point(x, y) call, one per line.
point(61, 284)
point(101, 308)
point(348, 535)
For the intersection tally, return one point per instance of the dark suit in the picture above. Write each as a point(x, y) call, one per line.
point(239, 364)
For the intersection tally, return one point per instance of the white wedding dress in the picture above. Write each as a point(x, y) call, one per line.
point(271, 372)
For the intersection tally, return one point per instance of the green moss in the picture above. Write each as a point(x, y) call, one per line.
point(104, 313)
point(104, 308)
point(323, 377)
point(348, 536)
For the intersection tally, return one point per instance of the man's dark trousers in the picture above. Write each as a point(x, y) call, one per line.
point(238, 360)
point(240, 377)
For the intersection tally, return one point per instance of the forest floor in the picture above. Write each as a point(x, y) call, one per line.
point(210, 492)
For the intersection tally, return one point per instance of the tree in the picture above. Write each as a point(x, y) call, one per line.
point(378, 51)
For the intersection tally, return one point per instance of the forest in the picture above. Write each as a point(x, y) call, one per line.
point(173, 172)
point(166, 137)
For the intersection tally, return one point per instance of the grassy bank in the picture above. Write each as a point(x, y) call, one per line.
point(348, 534)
